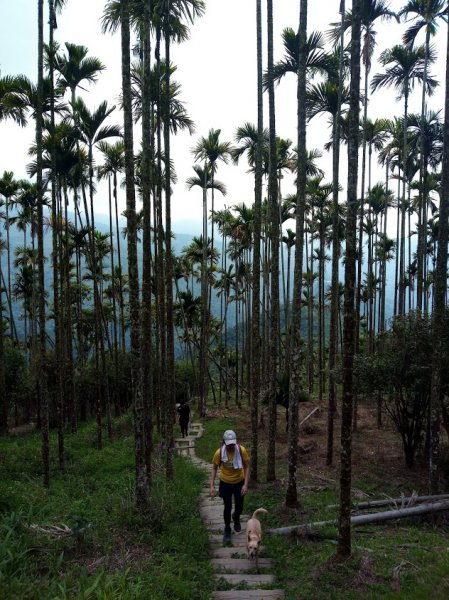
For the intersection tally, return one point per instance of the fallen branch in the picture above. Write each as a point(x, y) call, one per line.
point(61, 530)
point(403, 501)
point(308, 416)
point(402, 513)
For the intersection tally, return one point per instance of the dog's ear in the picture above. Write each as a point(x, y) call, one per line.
point(259, 541)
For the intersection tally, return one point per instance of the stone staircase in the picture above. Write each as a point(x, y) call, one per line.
point(236, 577)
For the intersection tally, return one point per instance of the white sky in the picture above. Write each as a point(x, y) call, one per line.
point(216, 68)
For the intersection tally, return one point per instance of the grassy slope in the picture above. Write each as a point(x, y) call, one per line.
point(114, 553)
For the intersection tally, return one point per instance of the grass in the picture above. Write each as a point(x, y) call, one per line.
point(400, 560)
point(113, 552)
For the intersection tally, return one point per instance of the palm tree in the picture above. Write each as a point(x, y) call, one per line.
point(427, 14)
point(407, 68)
point(139, 418)
point(178, 117)
point(425, 140)
point(210, 150)
point(371, 11)
point(438, 318)
point(295, 384)
point(76, 67)
point(316, 62)
point(4, 408)
point(8, 189)
point(255, 308)
point(335, 283)
point(12, 105)
point(344, 526)
point(114, 164)
point(41, 366)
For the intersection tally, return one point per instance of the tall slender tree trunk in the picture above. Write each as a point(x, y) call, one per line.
point(439, 322)
point(147, 358)
point(361, 219)
point(138, 408)
point(170, 394)
point(204, 304)
point(255, 311)
point(41, 366)
point(274, 235)
point(333, 333)
point(291, 497)
point(4, 408)
point(344, 525)
point(401, 298)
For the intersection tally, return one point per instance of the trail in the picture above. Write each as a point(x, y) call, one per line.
point(232, 570)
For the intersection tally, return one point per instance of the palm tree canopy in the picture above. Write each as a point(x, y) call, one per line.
point(178, 117)
point(323, 98)
point(370, 12)
point(12, 104)
point(247, 137)
point(90, 124)
point(426, 14)
point(76, 66)
point(407, 67)
point(210, 149)
point(317, 59)
point(204, 179)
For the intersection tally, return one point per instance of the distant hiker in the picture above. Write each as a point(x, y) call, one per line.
point(233, 461)
point(184, 417)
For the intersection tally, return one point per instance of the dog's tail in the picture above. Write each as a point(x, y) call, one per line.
point(259, 510)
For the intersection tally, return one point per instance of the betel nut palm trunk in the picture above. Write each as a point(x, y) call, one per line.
point(139, 426)
point(344, 524)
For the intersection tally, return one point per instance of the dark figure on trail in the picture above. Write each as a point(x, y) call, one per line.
point(184, 417)
point(233, 461)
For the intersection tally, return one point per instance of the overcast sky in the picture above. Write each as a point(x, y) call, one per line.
point(216, 68)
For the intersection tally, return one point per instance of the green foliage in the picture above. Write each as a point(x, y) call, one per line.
point(398, 560)
point(18, 382)
point(112, 551)
point(187, 380)
point(400, 371)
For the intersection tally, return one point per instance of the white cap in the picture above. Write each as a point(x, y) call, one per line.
point(229, 437)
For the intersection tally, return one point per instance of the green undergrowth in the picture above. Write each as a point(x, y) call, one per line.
point(111, 552)
point(401, 560)
point(407, 559)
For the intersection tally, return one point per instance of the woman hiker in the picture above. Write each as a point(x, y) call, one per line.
point(233, 461)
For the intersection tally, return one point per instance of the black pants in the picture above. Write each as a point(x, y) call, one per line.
point(184, 423)
point(226, 491)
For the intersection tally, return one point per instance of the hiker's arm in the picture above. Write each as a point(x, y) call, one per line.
point(213, 474)
point(245, 482)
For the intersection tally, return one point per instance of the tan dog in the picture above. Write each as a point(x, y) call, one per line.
point(254, 535)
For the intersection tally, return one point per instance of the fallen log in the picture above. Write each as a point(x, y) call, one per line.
point(407, 500)
point(402, 513)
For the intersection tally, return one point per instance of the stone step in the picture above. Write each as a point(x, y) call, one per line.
point(248, 595)
point(245, 578)
point(231, 551)
point(185, 441)
point(239, 565)
point(230, 564)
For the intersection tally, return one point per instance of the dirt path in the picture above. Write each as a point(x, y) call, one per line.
point(236, 578)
